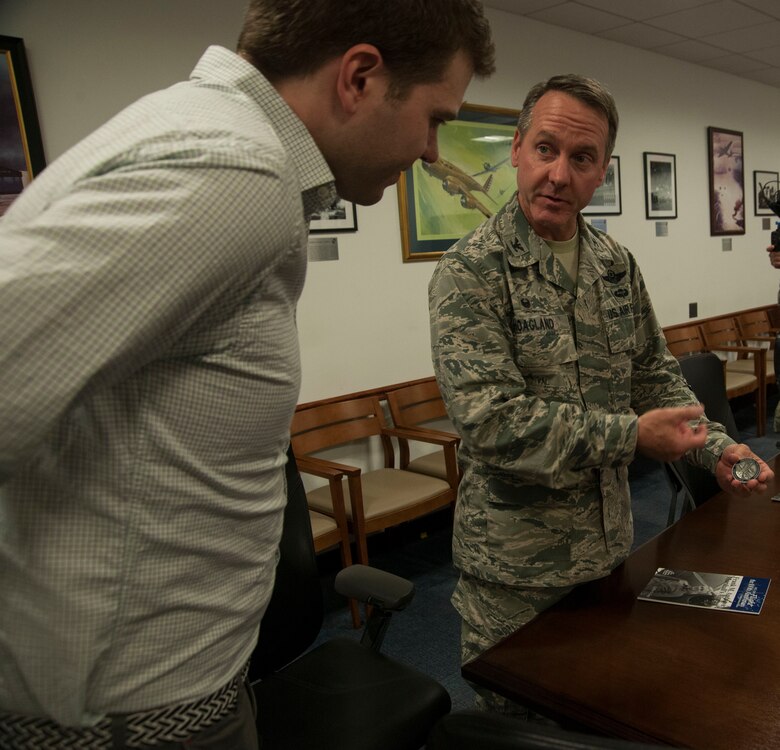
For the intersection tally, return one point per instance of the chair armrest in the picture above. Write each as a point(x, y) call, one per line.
point(759, 360)
point(738, 349)
point(376, 587)
point(321, 467)
point(443, 434)
point(768, 338)
point(446, 440)
point(436, 437)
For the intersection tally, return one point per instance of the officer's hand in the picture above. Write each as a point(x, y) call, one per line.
point(726, 480)
point(667, 434)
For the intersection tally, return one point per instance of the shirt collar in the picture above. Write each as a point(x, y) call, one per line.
point(223, 66)
point(524, 247)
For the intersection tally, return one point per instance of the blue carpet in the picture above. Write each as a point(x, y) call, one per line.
point(427, 634)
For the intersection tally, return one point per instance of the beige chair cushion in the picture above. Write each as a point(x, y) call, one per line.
point(384, 491)
point(747, 366)
point(432, 464)
point(736, 379)
point(321, 525)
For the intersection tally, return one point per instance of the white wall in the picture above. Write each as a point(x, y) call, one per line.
point(363, 319)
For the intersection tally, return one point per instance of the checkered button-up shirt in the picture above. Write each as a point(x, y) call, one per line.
point(148, 373)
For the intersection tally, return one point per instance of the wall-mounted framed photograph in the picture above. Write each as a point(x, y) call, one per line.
point(606, 199)
point(660, 185)
point(340, 217)
point(763, 183)
point(21, 147)
point(473, 177)
point(725, 154)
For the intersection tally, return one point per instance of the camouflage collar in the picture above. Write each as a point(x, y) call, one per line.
point(524, 247)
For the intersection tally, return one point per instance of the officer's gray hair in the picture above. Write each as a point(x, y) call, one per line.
point(588, 90)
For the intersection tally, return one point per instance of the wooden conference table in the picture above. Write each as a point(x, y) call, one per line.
point(652, 672)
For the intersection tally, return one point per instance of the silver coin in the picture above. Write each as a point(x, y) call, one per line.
point(745, 469)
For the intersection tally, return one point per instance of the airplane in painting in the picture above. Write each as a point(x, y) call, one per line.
point(488, 167)
point(457, 182)
point(725, 150)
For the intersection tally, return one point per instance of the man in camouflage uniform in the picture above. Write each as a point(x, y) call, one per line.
point(547, 349)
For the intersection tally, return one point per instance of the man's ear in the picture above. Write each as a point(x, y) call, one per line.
point(361, 69)
point(516, 141)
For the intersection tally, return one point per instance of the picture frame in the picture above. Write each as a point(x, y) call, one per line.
point(660, 185)
point(441, 202)
point(20, 135)
point(726, 157)
point(340, 217)
point(760, 179)
point(607, 199)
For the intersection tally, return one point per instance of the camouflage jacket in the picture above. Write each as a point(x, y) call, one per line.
point(543, 380)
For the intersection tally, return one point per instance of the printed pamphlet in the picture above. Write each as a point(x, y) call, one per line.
point(707, 590)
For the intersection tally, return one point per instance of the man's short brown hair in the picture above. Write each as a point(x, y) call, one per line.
point(417, 38)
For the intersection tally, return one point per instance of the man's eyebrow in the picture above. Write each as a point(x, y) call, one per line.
point(546, 135)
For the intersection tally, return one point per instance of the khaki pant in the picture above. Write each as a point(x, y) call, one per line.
point(490, 612)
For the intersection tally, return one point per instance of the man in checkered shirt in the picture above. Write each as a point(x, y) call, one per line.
point(149, 360)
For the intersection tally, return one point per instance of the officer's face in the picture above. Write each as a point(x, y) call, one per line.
point(560, 162)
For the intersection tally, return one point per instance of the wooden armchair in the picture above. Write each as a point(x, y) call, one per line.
point(689, 339)
point(757, 330)
point(773, 312)
point(723, 335)
point(412, 407)
point(331, 530)
point(377, 499)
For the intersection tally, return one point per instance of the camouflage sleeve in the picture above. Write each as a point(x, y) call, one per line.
point(657, 380)
point(501, 422)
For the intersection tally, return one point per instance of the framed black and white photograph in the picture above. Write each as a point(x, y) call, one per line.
point(21, 147)
point(340, 217)
point(606, 198)
point(660, 185)
point(764, 184)
point(725, 154)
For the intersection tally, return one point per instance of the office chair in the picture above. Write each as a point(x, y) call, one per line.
point(705, 376)
point(467, 730)
point(342, 694)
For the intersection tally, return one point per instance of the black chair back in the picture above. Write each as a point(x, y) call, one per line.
point(704, 373)
point(295, 613)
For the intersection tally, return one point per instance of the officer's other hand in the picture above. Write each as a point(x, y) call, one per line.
point(668, 434)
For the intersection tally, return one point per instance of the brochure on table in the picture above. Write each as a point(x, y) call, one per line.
point(729, 593)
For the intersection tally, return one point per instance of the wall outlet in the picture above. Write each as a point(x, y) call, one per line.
point(693, 309)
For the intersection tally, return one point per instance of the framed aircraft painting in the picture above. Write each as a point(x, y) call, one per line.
point(473, 177)
point(727, 181)
point(21, 147)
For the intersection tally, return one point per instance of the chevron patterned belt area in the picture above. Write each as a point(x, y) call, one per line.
point(139, 730)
